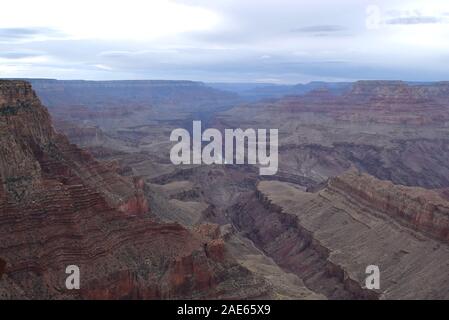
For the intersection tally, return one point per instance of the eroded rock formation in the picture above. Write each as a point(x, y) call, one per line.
point(328, 237)
point(393, 130)
point(59, 206)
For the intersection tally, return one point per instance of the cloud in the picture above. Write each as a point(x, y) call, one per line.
point(414, 20)
point(320, 29)
point(282, 40)
point(137, 20)
point(103, 67)
point(13, 55)
point(13, 34)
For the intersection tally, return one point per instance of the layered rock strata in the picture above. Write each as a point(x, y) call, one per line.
point(61, 207)
point(329, 237)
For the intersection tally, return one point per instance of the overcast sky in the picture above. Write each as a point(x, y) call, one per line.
point(279, 41)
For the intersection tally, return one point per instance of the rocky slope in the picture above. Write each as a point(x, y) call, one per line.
point(215, 188)
point(311, 230)
point(423, 210)
point(113, 104)
point(390, 129)
point(329, 237)
point(59, 206)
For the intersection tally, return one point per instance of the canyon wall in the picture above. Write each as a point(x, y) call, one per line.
point(328, 237)
point(418, 208)
point(59, 206)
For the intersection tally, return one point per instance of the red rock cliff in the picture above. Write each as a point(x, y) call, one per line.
point(59, 206)
point(424, 210)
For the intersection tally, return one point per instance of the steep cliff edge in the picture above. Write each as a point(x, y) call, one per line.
point(60, 207)
point(392, 130)
point(30, 150)
point(328, 237)
point(423, 210)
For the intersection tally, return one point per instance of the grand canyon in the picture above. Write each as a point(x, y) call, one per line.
point(225, 158)
point(86, 180)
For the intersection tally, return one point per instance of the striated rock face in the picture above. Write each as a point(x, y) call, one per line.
point(220, 187)
point(127, 103)
point(81, 134)
point(392, 130)
point(424, 210)
point(100, 93)
point(293, 247)
point(386, 102)
point(328, 237)
point(397, 91)
point(60, 207)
